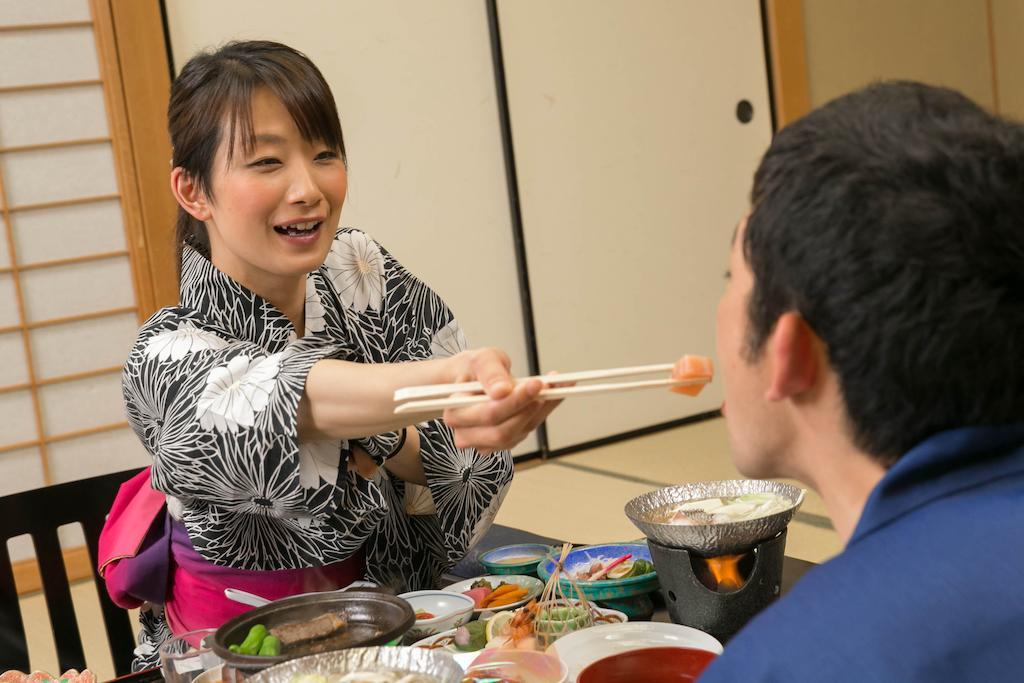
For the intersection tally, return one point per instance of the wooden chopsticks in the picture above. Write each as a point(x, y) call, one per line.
point(429, 401)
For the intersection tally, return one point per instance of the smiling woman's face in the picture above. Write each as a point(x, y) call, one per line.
point(275, 208)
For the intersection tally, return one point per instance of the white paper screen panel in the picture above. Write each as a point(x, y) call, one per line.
point(12, 351)
point(68, 231)
point(81, 346)
point(57, 55)
point(416, 96)
point(43, 11)
point(78, 288)
point(82, 404)
point(8, 302)
point(633, 170)
point(5, 257)
point(39, 116)
point(76, 458)
point(20, 470)
point(18, 424)
point(62, 214)
point(48, 175)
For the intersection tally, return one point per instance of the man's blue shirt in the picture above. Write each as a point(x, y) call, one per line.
point(929, 588)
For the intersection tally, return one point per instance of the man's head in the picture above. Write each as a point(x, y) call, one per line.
point(889, 226)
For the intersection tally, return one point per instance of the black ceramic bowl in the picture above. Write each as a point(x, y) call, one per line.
point(373, 618)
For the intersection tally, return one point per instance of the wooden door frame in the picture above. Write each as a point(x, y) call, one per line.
point(787, 57)
point(134, 61)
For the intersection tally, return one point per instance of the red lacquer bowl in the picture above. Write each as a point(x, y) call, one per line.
point(651, 665)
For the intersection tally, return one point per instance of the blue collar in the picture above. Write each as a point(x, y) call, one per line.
point(939, 466)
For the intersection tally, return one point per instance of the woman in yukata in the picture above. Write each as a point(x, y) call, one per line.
point(265, 395)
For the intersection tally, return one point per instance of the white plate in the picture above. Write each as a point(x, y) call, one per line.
point(464, 659)
point(582, 648)
point(536, 586)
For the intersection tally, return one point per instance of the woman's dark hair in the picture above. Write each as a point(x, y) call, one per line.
point(892, 221)
point(213, 94)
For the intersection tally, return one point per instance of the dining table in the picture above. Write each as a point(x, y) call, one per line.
point(499, 535)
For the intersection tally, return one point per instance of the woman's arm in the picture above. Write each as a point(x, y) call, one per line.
point(407, 464)
point(345, 400)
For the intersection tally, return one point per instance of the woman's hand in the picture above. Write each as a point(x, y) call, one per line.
point(509, 417)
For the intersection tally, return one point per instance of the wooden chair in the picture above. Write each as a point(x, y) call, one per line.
point(40, 513)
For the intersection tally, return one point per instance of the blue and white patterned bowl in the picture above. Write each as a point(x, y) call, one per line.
point(521, 558)
point(628, 595)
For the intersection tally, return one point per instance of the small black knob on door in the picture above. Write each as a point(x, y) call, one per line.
point(744, 111)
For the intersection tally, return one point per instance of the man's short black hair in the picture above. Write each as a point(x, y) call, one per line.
point(892, 220)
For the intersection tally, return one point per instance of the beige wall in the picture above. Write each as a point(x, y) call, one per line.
point(634, 170)
point(632, 165)
point(1008, 27)
point(851, 43)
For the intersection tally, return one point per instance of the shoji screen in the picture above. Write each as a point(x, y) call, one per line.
point(68, 310)
point(633, 170)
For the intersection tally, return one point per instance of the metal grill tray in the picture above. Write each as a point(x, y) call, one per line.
point(713, 539)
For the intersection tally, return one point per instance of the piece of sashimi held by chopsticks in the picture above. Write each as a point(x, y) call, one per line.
point(689, 367)
point(688, 375)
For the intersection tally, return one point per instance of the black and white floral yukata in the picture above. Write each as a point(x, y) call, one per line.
point(212, 387)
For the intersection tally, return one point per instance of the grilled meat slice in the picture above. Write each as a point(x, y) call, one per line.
point(313, 629)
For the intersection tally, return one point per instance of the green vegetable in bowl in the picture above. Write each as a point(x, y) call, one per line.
point(270, 647)
point(252, 642)
point(640, 567)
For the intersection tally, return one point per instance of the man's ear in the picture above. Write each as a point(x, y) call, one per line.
point(793, 361)
point(188, 194)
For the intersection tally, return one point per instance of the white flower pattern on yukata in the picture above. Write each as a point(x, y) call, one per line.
point(314, 308)
point(448, 341)
point(176, 344)
point(356, 267)
point(236, 392)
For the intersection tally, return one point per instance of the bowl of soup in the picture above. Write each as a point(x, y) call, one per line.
point(521, 558)
point(657, 664)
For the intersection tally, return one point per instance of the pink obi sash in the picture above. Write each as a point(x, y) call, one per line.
point(134, 545)
point(196, 598)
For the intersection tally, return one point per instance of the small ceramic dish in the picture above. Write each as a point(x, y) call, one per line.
point(521, 558)
point(449, 610)
point(518, 665)
point(533, 585)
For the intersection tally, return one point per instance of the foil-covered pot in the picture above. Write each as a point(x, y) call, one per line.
point(712, 539)
point(436, 663)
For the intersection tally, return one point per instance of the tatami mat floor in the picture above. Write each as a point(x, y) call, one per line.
point(578, 497)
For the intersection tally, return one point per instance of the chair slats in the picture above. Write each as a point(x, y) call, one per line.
point(13, 648)
point(57, 590)
point(41, 512)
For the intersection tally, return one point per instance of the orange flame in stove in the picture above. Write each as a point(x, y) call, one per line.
point(725, 569)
